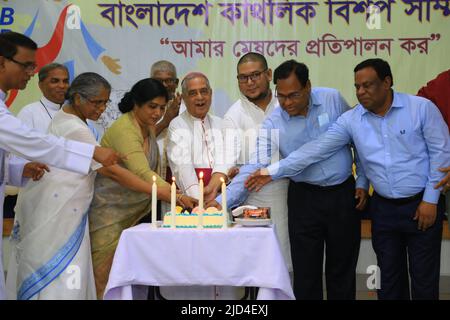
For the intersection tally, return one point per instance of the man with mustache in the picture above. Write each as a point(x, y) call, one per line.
point(53, 83)
point(402, 141)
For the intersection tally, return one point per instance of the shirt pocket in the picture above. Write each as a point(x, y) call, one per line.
point(408, 139)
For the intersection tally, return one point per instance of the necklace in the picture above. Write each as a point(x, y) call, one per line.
point(45, 109)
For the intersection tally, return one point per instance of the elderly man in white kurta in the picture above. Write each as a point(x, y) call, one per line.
point(17, 65)
point(195, 139)
point(196, 145)
point(240, 129)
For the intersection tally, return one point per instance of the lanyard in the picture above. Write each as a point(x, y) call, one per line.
point(46, 109)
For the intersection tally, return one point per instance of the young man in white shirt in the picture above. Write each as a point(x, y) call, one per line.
point(53, 83)
point(240, 129)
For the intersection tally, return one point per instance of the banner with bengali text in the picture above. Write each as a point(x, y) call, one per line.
point(120, 39)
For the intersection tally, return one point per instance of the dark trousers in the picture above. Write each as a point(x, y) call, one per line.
point(398, 243)
point(321, 216)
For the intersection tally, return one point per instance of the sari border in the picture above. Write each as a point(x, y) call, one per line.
point(55, 266)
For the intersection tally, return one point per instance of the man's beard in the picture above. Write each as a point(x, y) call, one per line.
point(260, 97)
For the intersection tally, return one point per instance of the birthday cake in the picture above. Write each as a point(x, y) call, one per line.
point(212, 219)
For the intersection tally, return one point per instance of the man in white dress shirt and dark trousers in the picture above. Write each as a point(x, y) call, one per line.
point(17, 66)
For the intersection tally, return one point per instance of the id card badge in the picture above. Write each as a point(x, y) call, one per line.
point(323, 119)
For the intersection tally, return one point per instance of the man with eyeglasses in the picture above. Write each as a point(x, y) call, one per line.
point(195, 138)
point(240, 129)
point(322, 199)
point(166, 72)
point(402, 141)
point(195, 145)
point(17, 65)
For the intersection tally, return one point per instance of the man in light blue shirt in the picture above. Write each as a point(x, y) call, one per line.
point(402, 141)
point(321, 199)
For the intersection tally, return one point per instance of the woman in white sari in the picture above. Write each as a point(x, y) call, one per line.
point(51, 255)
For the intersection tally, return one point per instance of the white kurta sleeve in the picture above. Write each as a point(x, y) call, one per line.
point(15, 171)
point(28, 143)
point(84, 134)
point(179, 154)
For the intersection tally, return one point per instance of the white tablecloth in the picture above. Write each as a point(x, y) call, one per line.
point(239, 256)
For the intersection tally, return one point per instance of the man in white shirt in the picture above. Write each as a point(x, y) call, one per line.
point(240, 129)
point(195, 142)
point(166, 72)
point(17, 65)
point(195, 145)
point(53, 83)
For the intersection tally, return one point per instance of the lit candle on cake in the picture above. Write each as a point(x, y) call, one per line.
point(200, 201)
point(173, 194)
point(154, 202)
point(224, 203)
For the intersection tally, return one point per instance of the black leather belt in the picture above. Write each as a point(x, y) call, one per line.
point(325, 188)
point(400, 201)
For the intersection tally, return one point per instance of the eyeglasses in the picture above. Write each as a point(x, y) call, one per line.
point(28, 66)
point(243, 78)
point(96, 103)
point(168, 82)
point(292, 96)
point(203, 92)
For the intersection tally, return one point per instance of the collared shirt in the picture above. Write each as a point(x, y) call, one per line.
point(284, 133)
point(240, 128)
point(194, 143)
point(400, 152)
point(37, 115)
point(162, 140)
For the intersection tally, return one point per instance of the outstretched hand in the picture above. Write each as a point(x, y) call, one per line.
point(186, 201)
point(257, 180)
point(34, 170)
point(209, 193)
point(213, 203)
point(107, 157)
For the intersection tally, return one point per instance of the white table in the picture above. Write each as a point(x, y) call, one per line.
point(239, 256)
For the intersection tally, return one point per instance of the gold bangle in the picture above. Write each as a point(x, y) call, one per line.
point(179, 196)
